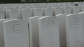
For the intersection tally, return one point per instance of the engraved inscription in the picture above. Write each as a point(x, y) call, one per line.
point(76, 20)
point(17, 28)
point(50, 42)
point(50, 24)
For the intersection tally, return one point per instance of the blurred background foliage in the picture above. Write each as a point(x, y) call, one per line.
point(26, 1)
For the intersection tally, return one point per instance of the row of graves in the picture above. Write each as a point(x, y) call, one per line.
point(42, 25)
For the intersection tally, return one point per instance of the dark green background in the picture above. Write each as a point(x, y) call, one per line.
point(19, 1)
point(10, 1)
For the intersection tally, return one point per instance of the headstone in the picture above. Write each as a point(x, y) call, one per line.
point(68, 10)
point(23, 7)
point(76, 9)
point(48, 11)
point(58, 10)
point(43, 11)
point(16, 33)
point(74, 30)
point(34, 31)
point(5, 5)
point(2, 12)
point(37, 12)
point(12, 5)
point(62, 28)
point(17, 7)
point(13, 13)
point(53, 11)
point(62, 25)
point(82, 7)
point(32, 12)
point(2, 33)
point(24, 14)
point(7, 14)
point(48, 32)
point(82, 13)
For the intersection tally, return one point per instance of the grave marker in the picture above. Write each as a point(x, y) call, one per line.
point(34, 31)
point(2, 12)
point(2, 33)
point(48, 32)
point(24, 14)
point(13, 13)
point(48, 11)
point(74, 30)
point(37, 12)
point(16, 33)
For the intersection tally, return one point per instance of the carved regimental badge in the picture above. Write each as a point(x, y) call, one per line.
point(76, 20)
point(50, 24)
point(17, 28)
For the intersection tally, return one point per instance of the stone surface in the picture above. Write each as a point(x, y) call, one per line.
point(13, 13)
point(34, 31)
point(2, 33)
point(74, 30)
point(48, 32)
point(37, 12)
point(25, 14)
point(16, 33)
point(48, 11)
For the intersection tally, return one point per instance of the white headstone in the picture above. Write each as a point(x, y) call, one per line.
point(32, 12)
point(16, 33)
point(82, 7)
point(7, 14)
point(68, 10)
point(62, 25)
point(34, 31)
point(82, 13)
point(2, 33)
point(2, 12)
point(76, 9)
point(53, 11)
point(25, 14)
point(74, 30)
point(62, 28)
point(23, 7)
point(58, 10)
point(48, 11)
point(37, 12)
point(48, 32)
point(43, 11)
point(13, 13)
